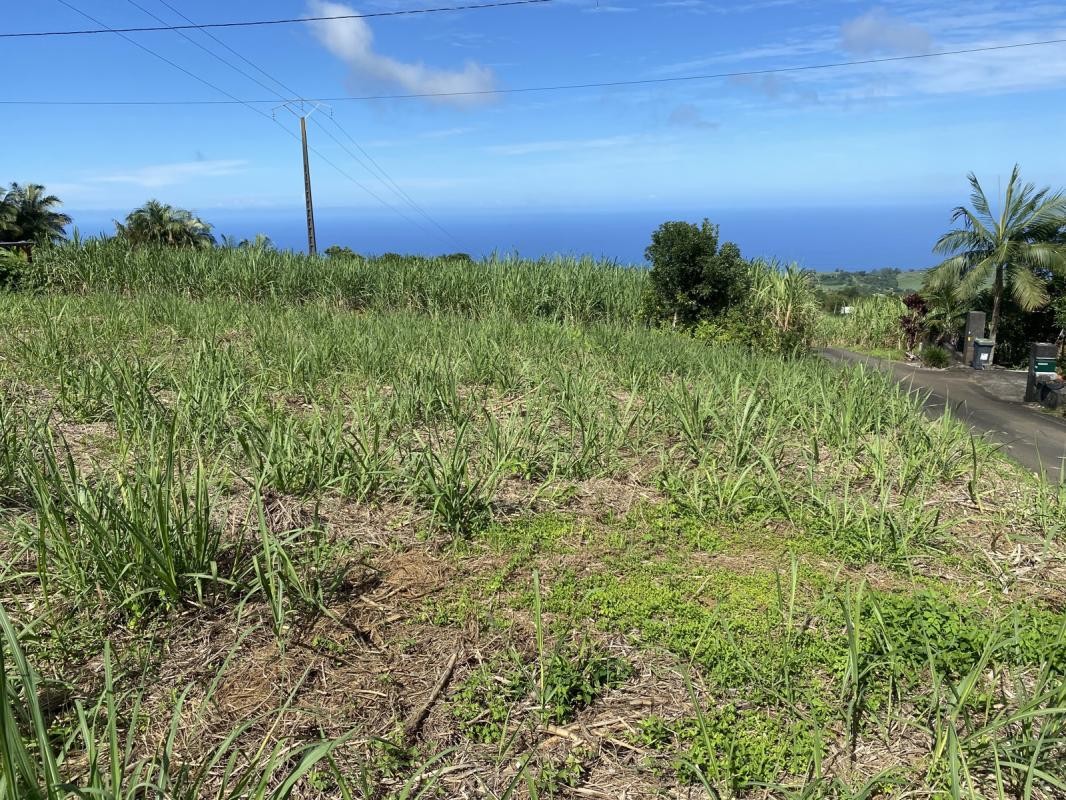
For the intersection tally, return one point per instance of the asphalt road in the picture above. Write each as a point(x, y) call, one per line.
point(990, 402)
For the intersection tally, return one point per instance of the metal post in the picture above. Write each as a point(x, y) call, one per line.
point(312, 247)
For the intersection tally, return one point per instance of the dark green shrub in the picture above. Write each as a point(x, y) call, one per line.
point(733, 327)
point(13, 265)
point(336, 251)
point(936, 357)
point(692, 278)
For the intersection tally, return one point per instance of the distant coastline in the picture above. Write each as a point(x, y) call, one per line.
point(822, 239)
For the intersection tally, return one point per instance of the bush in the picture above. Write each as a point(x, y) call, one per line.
point(12, 268)
point(336, 251)
point(779, 314)
point(733, 327)
point(936, 357)
point(692, 278)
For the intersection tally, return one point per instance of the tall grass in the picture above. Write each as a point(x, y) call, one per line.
point(141, 538)
point(561, 289)
point(392, 405)
point(169, 453)
point(873, 324)
point(103, 757)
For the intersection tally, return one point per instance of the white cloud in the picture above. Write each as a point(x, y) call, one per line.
point(352, 41)
point(878, 32)
point(159, 175)
point(1003, 72)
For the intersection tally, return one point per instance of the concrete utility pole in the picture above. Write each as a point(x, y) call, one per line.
point(312, 245)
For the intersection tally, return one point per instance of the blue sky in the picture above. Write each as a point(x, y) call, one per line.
point(880, 135)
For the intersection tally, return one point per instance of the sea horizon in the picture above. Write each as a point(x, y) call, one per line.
point(822, 239)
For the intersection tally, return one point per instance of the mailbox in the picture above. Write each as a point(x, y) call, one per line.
point(1042, 363)
point(982, 353)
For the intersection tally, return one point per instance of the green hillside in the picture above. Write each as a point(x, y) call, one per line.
point(866, 282)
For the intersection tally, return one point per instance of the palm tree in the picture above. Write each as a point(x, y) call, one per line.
point(946, 309)
point(159, 223)
point(27, 213)
point(7, 219)
point(260, 243)
point(1015, 252)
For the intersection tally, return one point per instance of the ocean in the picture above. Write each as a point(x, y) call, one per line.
point(852, 238)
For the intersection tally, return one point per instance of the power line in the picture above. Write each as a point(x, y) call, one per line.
point(207, 50)
point(262, 22)
point(292, 92)
point(244, 103)
point(382, 176)
point(384, 181)
point(175, 65)
point(556, 87)
point(349, 152)
point(385, 175)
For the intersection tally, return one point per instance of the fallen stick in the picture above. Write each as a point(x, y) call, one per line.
point(414, 722)
point(555, 732)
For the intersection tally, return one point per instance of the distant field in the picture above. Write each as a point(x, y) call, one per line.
point(872, 281)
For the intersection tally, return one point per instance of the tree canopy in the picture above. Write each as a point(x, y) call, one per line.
point(28, 213)
point(692, 277)
point(1015, 252)
point(159, 223)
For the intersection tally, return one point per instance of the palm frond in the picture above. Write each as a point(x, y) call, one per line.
point(1027, 289)
point(1045, 256)
point(947, 273)
point(979, 201)
point(977, 277)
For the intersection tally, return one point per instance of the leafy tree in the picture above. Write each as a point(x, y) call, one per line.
point(692, 278)
point(1014, 253)
point(336, 251)
point(12, 267)
point(28, 213)
point(159, 223)
point(7, 219)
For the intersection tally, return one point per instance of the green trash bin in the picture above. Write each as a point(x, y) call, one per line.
point(982, 352)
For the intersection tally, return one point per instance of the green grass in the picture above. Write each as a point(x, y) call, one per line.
point(872, 326)
point(561, 289)
point(256, 510)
